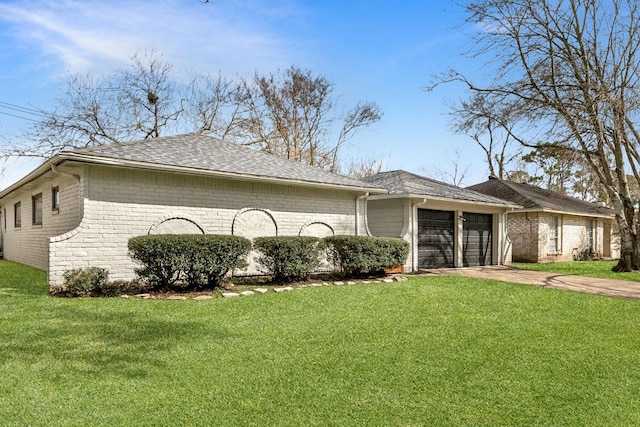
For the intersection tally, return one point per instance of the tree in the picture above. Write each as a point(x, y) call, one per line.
point(290, 114)
point(490, 125)
point(136, 103)
point(572, 69)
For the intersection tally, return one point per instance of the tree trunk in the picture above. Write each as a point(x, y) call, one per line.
point(629, 248)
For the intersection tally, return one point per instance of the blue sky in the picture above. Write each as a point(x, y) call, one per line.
point(382, 51)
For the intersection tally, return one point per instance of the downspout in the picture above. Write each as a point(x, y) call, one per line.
point(414, 249)
point(366, 225)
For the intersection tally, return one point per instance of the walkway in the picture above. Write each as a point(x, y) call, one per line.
point(608, 287)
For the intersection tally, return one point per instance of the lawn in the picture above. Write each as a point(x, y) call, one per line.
point(601, 269)
point(441, 351)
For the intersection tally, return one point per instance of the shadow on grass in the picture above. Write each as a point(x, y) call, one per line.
point(19, 279)
point(124, 340)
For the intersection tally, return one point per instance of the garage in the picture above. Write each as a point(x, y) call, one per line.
point(436, 242)
point(477, 239)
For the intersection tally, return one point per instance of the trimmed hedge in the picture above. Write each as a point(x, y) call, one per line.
point(288, 258)
point(167, 258)
point(359, 255)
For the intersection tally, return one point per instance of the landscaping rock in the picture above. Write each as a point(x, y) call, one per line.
point(177, 297)
point(230, 294)
point(247, 293)
point(143, 295)
point(387, 280)
point(351, 283)
point(203, 297)
point(285, 289)
point(338, 283)
point(261, 290)
point(400, 278)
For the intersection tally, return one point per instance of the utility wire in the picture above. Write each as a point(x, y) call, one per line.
point(19, 112)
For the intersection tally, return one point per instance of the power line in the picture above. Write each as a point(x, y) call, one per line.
point(20, 112)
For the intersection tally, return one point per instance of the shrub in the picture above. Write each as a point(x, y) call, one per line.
point(359, 255)
point(166, 258)
point(288, 258)
point(160, 256)
point(211, 257)
point(81, 282)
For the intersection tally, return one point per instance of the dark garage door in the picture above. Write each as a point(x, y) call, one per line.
point(435, 238)
point(477, 239)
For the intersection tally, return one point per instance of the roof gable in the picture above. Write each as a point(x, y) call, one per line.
point(534, 198)
point(407, 184)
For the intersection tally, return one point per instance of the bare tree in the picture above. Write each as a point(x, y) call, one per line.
point(490, 125)
point(291, 114)
point(136, 103)
point(573, 67)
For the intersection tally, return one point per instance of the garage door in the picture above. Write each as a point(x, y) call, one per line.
point(435, 238)
point(477, 239)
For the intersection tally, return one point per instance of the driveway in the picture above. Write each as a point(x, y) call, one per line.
point(608, 287)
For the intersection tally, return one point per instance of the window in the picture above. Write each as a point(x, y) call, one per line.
point(55, 198)
point(36, 209)
point(4, 217)
point(553, 246)
point(17, 215)
point(589, 232)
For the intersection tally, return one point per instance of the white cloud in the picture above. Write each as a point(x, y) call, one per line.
point(99, 35)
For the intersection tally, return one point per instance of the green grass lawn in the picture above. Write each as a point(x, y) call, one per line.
point(436, 351)
point(601, 269)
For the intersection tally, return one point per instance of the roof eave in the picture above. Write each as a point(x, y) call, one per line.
point(442, 199)
point(132, 164)
point(574, 213)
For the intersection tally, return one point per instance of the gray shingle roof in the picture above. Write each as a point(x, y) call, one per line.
point(535, 198)
point(404, 183)
point(205, 153)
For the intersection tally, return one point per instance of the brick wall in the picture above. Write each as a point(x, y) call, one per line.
point(124, 203)
point(29, 243)
point(529, 232)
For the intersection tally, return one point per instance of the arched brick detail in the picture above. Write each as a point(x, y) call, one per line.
point(316, 229)
point(158, 223)
point(260, 217)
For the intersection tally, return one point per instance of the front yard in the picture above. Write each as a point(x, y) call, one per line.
point(442, 350)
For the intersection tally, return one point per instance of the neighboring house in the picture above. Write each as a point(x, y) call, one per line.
point(551, 226)
point(446, 226)
point(79, 208)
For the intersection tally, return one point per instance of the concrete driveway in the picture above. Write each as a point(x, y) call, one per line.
point(608, 287)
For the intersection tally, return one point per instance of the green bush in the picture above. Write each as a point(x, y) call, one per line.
point(288, 258)
point(210, 257)
point(160, 256)
point(167, 258)
point(359, 255)
point(81, 282)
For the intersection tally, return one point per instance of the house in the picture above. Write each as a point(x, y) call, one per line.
point(551, 226)
point(446, 226)
point(79, 208)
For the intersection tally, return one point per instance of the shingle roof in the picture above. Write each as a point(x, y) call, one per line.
point(535, 198)
point(205, 153)
point(404, 183)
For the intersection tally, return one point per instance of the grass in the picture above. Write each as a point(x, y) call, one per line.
point(600, 269)
point(442, 351)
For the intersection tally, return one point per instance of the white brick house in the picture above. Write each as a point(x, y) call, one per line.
point(446, 226)
point(79, 208)
point(551, 225)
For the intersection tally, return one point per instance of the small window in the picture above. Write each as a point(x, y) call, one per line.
point(589, 232)
point(36, 209)
point(17, 215)
point(55, 198)
point(553, 235)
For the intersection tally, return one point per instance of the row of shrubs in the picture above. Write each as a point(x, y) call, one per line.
point(197, 259)
point(191, 261)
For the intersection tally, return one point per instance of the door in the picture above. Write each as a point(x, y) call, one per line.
point(477, 239)
point(436, 246)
